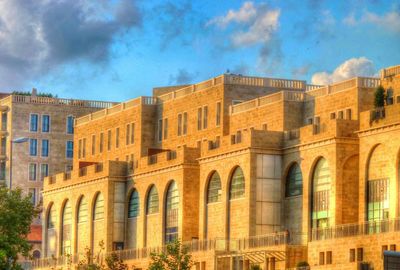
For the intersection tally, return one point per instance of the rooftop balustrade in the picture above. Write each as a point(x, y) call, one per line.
point(390, 71)
point(61, 101)
point(115, 109)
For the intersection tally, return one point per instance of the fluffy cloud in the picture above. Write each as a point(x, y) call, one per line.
point(389, 20)
point(246, 13)
point(351, 68)
point(37, 36)
point(255, 24)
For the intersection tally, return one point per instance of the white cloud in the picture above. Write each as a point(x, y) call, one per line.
point(243, 15)
point(260, 31)
point(390, 20)
point(254, 24)
point(350, 68)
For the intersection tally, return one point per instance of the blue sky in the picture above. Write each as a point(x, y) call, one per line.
point(120, 49)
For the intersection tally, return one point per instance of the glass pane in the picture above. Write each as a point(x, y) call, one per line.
point(152, 201)
point(214, 189)
point(83, 211)
point(237, 184)
point(294, 181)
point(172, 211)
point(133, 210)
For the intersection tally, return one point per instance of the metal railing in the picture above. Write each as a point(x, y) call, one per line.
point(349, 230)
point(378, 113)
point(217, 244)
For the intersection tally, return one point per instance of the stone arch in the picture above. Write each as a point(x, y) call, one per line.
point(133, 213)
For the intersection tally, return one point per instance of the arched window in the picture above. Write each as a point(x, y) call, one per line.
point(66, 229)
point(36, 254)
point(378, 184)
point(98, 207)
point(133, 207)
point(51, 232)
point(82, 211)
point(236, 190)
point(172, 211)
point(321, 192)
point(152, 201)
point(214, 189)
point(51, 219)
point(294, 181)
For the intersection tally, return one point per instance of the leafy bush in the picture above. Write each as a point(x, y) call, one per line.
point(379, 100)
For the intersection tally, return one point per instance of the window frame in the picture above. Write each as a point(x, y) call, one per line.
point(48, 123)
point(30, 122)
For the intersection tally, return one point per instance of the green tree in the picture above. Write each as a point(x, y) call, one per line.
point(176, 257)
point(112, 261)
point(379, 100)
point(16, 214)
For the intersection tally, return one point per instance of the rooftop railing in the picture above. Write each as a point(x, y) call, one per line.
point(390, 71)
point(61, 101)
point(350, 230)
point(115, 109)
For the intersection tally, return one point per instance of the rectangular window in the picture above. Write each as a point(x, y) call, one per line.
point(185, 123)
point(218, 115)
point(165, 128)
point(93, 144)
point(160, 130)
point(333, 115)
point(127, 134)
point(205, 117)
point(265, 127)
point(32, 194)
point(179, 124)
point(33, 123)
point(117, 137)
point(70, 124)
point(4, 121)
point(2, 170)
point(360, 254)
point(33, 147)
point(44, 171)
point(352, 255)
point(109, 140)
point(329, 257)
point(340, 115)
point(45, 148)
point(348, 114)
point(84, 147)
point(132, 132)
point(101, 142)
point(45, 123)
point(378, 199)
point(68, 168)
point(321, 258)
point(69, 149)
point(32, 171)
point(199, 118)
point(393, 247)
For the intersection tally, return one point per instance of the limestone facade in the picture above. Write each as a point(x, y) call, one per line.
point(34, 139)
point(244, 170)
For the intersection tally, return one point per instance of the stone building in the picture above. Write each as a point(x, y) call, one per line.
point(244, 170)
point(36, 141)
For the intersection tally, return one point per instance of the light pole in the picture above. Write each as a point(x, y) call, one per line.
point(17, 140)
